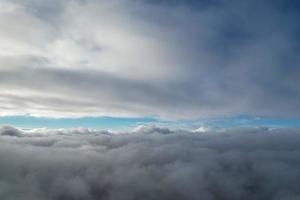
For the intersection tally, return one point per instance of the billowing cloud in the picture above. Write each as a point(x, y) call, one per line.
point(170, 59)
point(149, 163)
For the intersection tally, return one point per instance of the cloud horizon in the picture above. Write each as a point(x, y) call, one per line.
point(149, 99)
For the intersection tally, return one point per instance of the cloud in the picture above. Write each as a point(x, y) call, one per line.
point(254, 163)
point(170, 59)
point(9, 131)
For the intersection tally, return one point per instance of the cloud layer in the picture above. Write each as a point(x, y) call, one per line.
point(149, 163)
point(171, 59)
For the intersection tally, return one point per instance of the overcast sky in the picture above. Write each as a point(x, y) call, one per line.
point(150, 58)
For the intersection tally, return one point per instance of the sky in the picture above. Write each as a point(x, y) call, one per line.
point(149, 99)
point(119, 63)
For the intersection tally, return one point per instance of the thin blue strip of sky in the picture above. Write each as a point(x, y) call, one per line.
point(246, 121)
point(114, 123)
point(28, 122)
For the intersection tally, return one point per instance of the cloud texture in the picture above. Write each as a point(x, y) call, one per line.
point(149, 163)
point(171, 59)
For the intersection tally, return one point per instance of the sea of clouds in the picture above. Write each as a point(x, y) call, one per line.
point(149, 163)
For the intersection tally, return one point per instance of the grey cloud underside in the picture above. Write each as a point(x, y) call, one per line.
point(66, 90)
point(179, 59)
point(149, 163)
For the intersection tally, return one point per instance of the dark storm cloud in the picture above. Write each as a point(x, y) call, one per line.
point(255, 163)
point(171, 59)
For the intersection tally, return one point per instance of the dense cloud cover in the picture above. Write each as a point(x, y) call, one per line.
point(149, 163)
point(171, 59)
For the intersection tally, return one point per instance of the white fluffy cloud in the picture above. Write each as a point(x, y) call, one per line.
point(149, 163)
point(148, 58)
